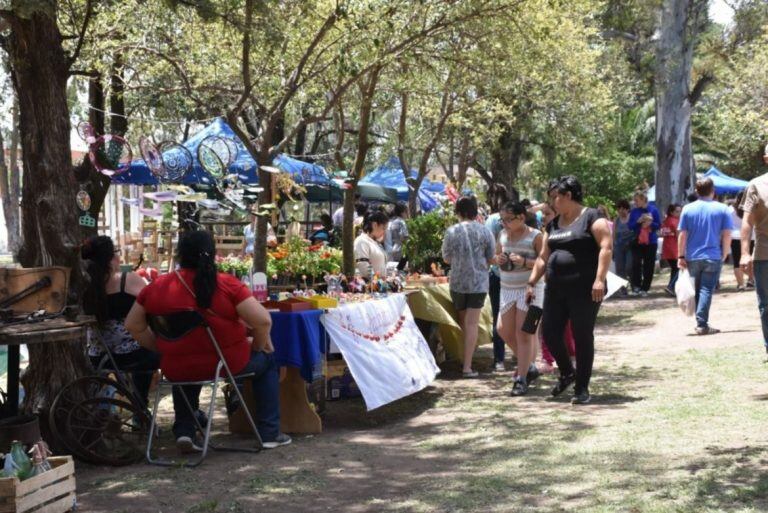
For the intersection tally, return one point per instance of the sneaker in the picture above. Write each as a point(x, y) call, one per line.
point(280, 440)
point(740, 288)
point(499, 367)
point(750, 284)
point(633, 293)
point(643, 293)
point(470, 374)
point(533, 374)
point(519, 388)
point(670, 292)
point(188, 445)
point(706, 330)
point(563, 383)
point(582, 397)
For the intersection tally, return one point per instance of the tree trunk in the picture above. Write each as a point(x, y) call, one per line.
point(51, 234)
point(675, 169)
point(10, 185)
point(506, 157)
point(367, 91)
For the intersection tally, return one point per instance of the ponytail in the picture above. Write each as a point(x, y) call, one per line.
point(197, 251)
point(98, 252)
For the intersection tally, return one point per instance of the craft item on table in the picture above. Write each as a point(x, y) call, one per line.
point(269, 169)
point(210, 161)
point(161, 196)
point(235, 196)
point(133, 202)
point(152, 156)
point(259, 283)
point(177, 161)
point(111, 155)
point(191, 198)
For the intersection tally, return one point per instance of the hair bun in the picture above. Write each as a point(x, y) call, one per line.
point(86, 250)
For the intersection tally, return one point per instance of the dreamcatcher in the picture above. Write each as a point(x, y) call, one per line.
point(177, 161)
point(152, 157)
point(109, 154)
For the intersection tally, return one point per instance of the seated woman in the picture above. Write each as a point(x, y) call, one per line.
point(370, 257)
point(228, 307)
point(109, 296)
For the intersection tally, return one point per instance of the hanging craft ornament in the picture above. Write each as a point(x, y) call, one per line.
point(83, 200)
point(151, 156)
point(87, 220)
point(86, 132)
point(177, 161)
point(233, 149)
point(220, 147)
point(210, 160)
point(111, 155)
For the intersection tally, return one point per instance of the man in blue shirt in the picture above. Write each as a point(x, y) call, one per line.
point(704, 241)
point(644, 220)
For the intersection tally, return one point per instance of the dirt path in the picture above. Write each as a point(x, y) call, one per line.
point(467, 446)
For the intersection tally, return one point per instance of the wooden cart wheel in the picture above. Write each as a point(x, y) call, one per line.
point(72, 394)
point(106, 430)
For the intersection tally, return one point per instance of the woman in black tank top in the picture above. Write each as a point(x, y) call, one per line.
point(576, 254)
point(109, 296)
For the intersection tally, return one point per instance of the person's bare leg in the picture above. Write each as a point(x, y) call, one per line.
point(739, 274)
point(506, 329)
point(526, 346)
point(471, 323)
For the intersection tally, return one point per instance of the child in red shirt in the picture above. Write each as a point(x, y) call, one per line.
point(669, 246)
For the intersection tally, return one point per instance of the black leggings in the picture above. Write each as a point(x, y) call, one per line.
point(643, 264)
point(573, 303)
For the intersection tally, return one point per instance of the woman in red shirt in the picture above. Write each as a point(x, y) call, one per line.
point(228, 306)
point(669, 246)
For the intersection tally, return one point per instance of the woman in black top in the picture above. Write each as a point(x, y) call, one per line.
point(576, 254)
point(109, 296)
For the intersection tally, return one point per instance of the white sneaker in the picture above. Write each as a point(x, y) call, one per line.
point(186, 445)
point(499, 367)
point(280, 440)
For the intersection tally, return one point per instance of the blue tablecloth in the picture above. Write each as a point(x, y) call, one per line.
point(299, 340)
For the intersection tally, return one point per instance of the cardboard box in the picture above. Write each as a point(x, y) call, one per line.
point(341, 384)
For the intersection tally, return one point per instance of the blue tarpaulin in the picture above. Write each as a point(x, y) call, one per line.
point(243, 165)
point(390, 174)
point(724, 184)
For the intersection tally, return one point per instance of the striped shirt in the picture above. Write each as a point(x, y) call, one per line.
point(519, 276)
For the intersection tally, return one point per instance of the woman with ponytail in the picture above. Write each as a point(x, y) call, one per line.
point(109, 296)
point(228, 307)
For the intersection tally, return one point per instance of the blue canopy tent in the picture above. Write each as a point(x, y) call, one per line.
point(319, 185)
point(390, 174)
point(724, 184)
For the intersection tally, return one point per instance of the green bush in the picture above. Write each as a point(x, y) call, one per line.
point(425, 237)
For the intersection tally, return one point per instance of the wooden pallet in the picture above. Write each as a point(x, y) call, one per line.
point(50, 492)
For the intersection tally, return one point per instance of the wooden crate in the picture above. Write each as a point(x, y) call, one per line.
point(50, 492)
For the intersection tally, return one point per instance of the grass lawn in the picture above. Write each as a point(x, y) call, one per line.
point(677, 424)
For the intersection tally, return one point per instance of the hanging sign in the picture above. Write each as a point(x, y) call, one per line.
point(87, 220)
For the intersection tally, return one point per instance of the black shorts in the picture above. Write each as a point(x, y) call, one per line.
point(462, 301)
point(736, 251)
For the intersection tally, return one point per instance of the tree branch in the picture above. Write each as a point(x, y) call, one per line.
point(83, 30)
point(698, 88)
point(245, 68)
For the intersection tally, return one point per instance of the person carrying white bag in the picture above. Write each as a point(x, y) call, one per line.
point(685, 293)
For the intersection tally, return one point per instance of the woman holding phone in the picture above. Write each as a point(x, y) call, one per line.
point(516, 251)
point(576, 254)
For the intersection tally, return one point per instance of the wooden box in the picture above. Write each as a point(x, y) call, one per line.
point(288, 305)
point(50, 492)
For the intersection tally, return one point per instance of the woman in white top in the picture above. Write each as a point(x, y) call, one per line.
point(249, 236)
point(516, 251)
point(370, 257)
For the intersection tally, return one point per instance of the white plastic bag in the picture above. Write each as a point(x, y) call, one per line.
point(686, 294)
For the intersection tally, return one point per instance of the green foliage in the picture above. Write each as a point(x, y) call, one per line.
point(425, 237)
